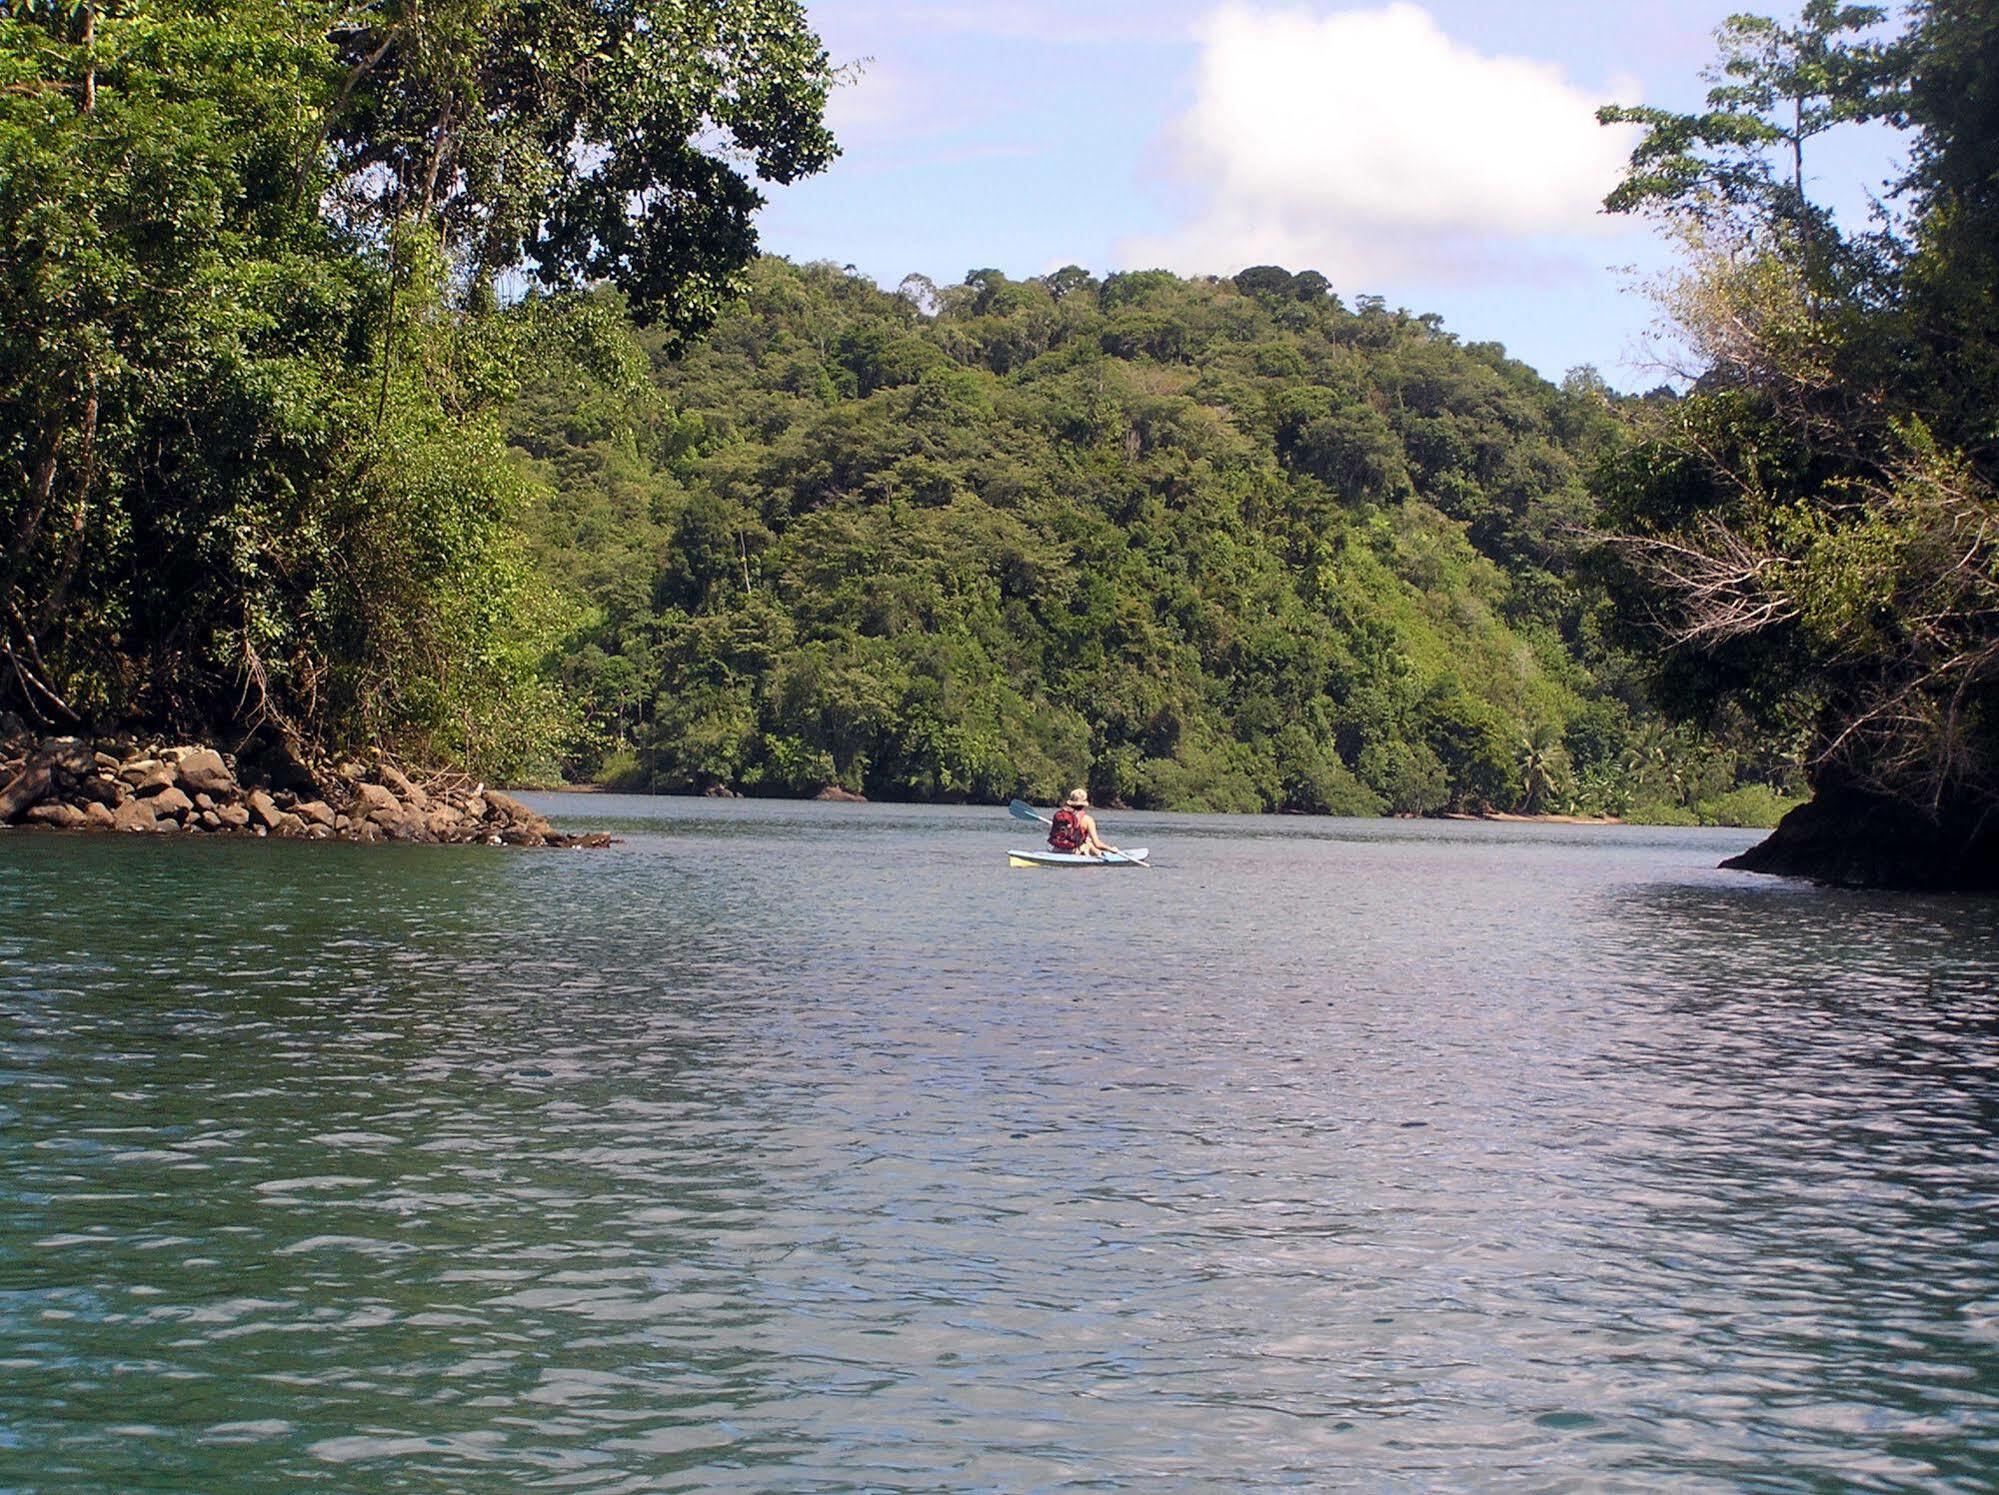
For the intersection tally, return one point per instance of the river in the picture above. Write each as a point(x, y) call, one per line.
point(794, 1147)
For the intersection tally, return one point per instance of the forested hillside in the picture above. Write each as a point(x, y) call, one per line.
point(1203, 544)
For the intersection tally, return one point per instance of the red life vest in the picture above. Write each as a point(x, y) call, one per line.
point(1065, 831)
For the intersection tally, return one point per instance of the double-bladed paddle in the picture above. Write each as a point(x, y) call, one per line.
point(1020, 809)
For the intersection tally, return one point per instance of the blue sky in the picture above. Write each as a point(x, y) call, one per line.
point(1440, 154)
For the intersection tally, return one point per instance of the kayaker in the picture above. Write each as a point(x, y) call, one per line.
point(1074, 830)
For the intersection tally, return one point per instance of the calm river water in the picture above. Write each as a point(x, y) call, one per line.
point(809, 1148)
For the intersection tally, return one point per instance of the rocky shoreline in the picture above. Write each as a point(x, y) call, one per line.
point(117, 784)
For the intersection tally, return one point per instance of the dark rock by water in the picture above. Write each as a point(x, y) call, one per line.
point(1850, 838)
point(29, 785)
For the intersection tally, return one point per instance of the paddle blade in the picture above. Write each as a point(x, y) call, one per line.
point(1020, 809)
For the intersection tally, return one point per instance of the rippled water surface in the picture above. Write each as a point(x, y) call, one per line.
point(798, 1147)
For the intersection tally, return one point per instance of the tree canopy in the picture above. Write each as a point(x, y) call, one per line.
point(250, 358)
point(1813, 530)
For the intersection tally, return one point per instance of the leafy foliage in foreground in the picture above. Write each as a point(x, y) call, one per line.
point(1202, 544)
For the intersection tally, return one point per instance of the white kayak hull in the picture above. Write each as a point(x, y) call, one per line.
point(1129, 858)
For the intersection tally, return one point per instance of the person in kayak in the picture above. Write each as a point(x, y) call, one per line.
point(1074, 830)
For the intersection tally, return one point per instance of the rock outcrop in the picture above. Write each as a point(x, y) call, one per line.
point(66, 783)
point(1850, 838)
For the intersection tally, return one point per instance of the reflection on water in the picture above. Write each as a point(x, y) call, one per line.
point(811, 1148)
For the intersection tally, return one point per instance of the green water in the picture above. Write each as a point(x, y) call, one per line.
point(795, 1147)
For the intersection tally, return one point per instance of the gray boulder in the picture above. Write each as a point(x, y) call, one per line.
point(373, 799)
point(171, 801)
point(405, 791)
point(150, 776)
point(202, 771)
point(102, 788)
point(264, 810)
point(70, 754)
point(512, 813)
point(134, 815)
point(507, 807)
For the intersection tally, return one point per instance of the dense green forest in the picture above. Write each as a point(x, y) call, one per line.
point(1205, 544)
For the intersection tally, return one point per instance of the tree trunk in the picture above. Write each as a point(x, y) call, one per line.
point(28, 531)
point(89, 44)
point(86, 475)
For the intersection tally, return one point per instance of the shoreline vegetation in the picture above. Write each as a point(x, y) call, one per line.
point(256, 330)
point(1810, 534)
point(126, 784)
point(1213, 544)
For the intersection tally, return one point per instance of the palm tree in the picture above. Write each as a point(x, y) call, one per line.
point(1542, 764)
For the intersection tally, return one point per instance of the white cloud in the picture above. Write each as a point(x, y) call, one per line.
point(886, 119)
point(1369, 145)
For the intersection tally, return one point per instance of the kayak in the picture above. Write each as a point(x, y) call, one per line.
point(1125, 858)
